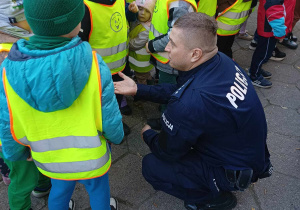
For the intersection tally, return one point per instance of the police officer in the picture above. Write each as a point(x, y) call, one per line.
point(214, 130)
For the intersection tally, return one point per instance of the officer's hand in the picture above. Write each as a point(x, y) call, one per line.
point(145, 128)
point(125, 87)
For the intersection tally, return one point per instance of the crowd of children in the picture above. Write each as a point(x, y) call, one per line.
point(127, 37)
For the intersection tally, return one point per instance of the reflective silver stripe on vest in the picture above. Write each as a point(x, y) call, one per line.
point(154, 31)
point(228, 27)
point(63, 143)
point(234, 15)
point(75, 167)
point(142, 52)
point(112, 50)
point(138, 63)
point(116, 64)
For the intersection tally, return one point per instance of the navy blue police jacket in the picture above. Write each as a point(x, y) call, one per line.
point(213, 112)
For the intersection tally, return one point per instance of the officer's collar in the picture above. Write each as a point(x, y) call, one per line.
point(184, 76)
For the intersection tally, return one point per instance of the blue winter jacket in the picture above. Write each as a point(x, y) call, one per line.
point(51, 80)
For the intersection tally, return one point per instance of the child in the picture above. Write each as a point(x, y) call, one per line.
point(57, 94)
point(24, 178)
point(139, 33)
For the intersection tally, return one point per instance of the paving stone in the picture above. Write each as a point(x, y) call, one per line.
point(264, 101)
point(282, 121)
point(245, 199)
point(291, 55)
point(118, 151)
point(243, 44)
point(81, 197)
point(162, 201)
point(135, 142)
point(278, 192)
point(39, 203)
point(283, 95)
point(4, 196)
point(243, 57)
point(127, 182)
point(298, 84)
point(282, 72)
point(235, 46)
point(285, 153)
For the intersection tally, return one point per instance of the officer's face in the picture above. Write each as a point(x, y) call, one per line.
point(179, 55)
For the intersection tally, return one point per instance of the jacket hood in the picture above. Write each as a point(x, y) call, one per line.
point(49, 80)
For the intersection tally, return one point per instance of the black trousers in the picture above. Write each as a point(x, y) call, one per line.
point(225, 43)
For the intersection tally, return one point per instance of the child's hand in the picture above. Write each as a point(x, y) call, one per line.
point(133, 7)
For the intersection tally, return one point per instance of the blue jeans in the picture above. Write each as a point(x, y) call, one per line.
point(97, 188)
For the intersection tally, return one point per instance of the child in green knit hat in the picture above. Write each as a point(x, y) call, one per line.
point(58, 95)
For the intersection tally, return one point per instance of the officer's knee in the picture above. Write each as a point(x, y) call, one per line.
point(147, 166)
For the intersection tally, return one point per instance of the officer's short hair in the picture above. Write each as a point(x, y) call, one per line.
point(199, 30)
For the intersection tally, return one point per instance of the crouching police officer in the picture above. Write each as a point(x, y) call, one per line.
point(213, 139)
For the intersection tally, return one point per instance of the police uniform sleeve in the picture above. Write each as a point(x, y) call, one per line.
point(155, 93)
point(180, 131)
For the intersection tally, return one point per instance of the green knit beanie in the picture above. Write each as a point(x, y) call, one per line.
point(53, 17)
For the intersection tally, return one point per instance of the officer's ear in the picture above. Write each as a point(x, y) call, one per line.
point(196, 55)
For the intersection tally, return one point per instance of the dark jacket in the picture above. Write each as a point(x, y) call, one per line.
point(204, 117)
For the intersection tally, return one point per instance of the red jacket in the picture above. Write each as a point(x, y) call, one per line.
point(272, 14)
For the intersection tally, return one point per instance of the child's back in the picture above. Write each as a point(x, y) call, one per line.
point(60, 94)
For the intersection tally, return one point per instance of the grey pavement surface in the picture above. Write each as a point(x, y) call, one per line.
point(282, 109)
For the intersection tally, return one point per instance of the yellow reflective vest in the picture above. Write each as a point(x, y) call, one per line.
point(65, 143)
point(159, 24)
point(139, 60)
point(108, 34)
point(230, 20)
point(5, 47)
point(208, 7)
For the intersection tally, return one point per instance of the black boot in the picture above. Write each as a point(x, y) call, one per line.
point(154, 123)
point(225, 201)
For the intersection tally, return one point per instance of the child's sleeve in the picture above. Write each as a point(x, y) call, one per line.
point(275, 16)
point(176, 10)
point(130, 16)
point(139, 42)
point(111, 117)
point(12, 150)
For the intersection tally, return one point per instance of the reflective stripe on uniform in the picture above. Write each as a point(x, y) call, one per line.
point(234, 15)
point(112, 50)
point(63, 143)
point(75, 167)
